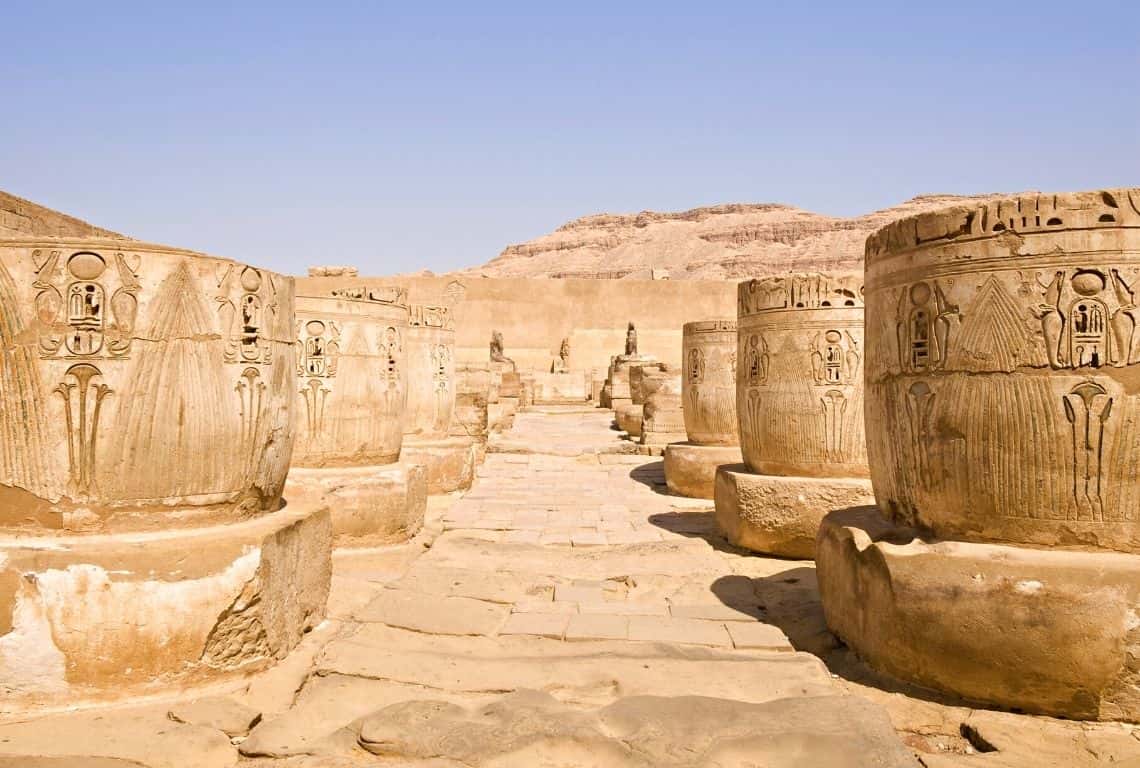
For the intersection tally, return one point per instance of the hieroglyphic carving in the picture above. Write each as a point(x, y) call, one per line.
point(1087, 408)
point(83, 393)
point(834, 357)
point(314, 393)
point(382, 294)
point(250, 390)
point(924, 324)
point(834, 404)
point(1023, 215)
point(919, 410)
point(431, 316)
point(1088, 319)
point(1016, 422)
point(246, 320)
point(757, 359)
point(695, 366)
point(441, 383)
point(391, 349)
point(801, 291)
point(319, 348)
point(75, 318)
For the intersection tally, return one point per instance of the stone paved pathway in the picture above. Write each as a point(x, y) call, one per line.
point(563, 612)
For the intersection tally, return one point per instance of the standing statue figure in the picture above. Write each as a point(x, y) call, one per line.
point(631, 341)
point(497, 355)
point(562, 364)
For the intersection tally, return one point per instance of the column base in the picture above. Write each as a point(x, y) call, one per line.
point(780, 515)
point(690, 469)
point(448, 461)
point(369, 505)
point(501, 414)
point(98, 617)
point(630, 418)
point(1045, 631)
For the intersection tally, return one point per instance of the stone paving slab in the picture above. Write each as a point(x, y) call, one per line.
point(551, 625)
point(434, 614)
point(663, 629)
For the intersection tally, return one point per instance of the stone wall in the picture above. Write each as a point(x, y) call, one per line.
point(534, 315)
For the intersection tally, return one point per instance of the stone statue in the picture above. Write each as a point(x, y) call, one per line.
point(497, 355)
point(631, 341)
point(562, 364)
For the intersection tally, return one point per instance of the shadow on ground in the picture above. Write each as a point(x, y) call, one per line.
point(787, 598)
point(652, 475)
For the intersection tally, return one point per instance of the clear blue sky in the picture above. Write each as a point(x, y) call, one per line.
point(401, 136)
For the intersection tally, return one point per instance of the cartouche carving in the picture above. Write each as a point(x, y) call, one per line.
point(247, 319)
point(75, 317)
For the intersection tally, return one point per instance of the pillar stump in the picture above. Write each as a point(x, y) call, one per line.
point(1002, 563)
point(147, 421)
point(708, 401)
point(799, 404)
point(351, 400)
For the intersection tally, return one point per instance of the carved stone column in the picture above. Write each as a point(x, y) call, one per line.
point(708, 397)
point(799, 403)
point(448, 460)
point(147, 412)
point(352, 394)
point(1002, 403)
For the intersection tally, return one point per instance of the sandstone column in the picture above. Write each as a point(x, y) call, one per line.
point(1003, 563)
point(147, 409)
point(708, 397)
point(663, 419)
point(448, 460)
point(351, 400)
point(799, 403)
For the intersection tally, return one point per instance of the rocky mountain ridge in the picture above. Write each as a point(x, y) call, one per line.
point(729, 241)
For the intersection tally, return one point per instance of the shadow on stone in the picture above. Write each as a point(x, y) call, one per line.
point(651, 474)
point(790, 601)
point(695, 525)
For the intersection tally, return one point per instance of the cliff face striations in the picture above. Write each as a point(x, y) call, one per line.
point(718, 242)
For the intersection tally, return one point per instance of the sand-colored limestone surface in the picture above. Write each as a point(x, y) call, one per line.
point(1002, 353)
point(708, 398)
point(145, 434)
point(564, 611)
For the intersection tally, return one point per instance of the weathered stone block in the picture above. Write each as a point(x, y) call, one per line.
point(1046, 631)
point(690, 470)
point(369, 505)
point(448, 462)
point(781, 515)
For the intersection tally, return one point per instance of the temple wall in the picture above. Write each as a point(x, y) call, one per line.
point(535, 314)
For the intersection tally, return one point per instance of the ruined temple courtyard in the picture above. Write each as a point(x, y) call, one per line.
point(563, 611)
